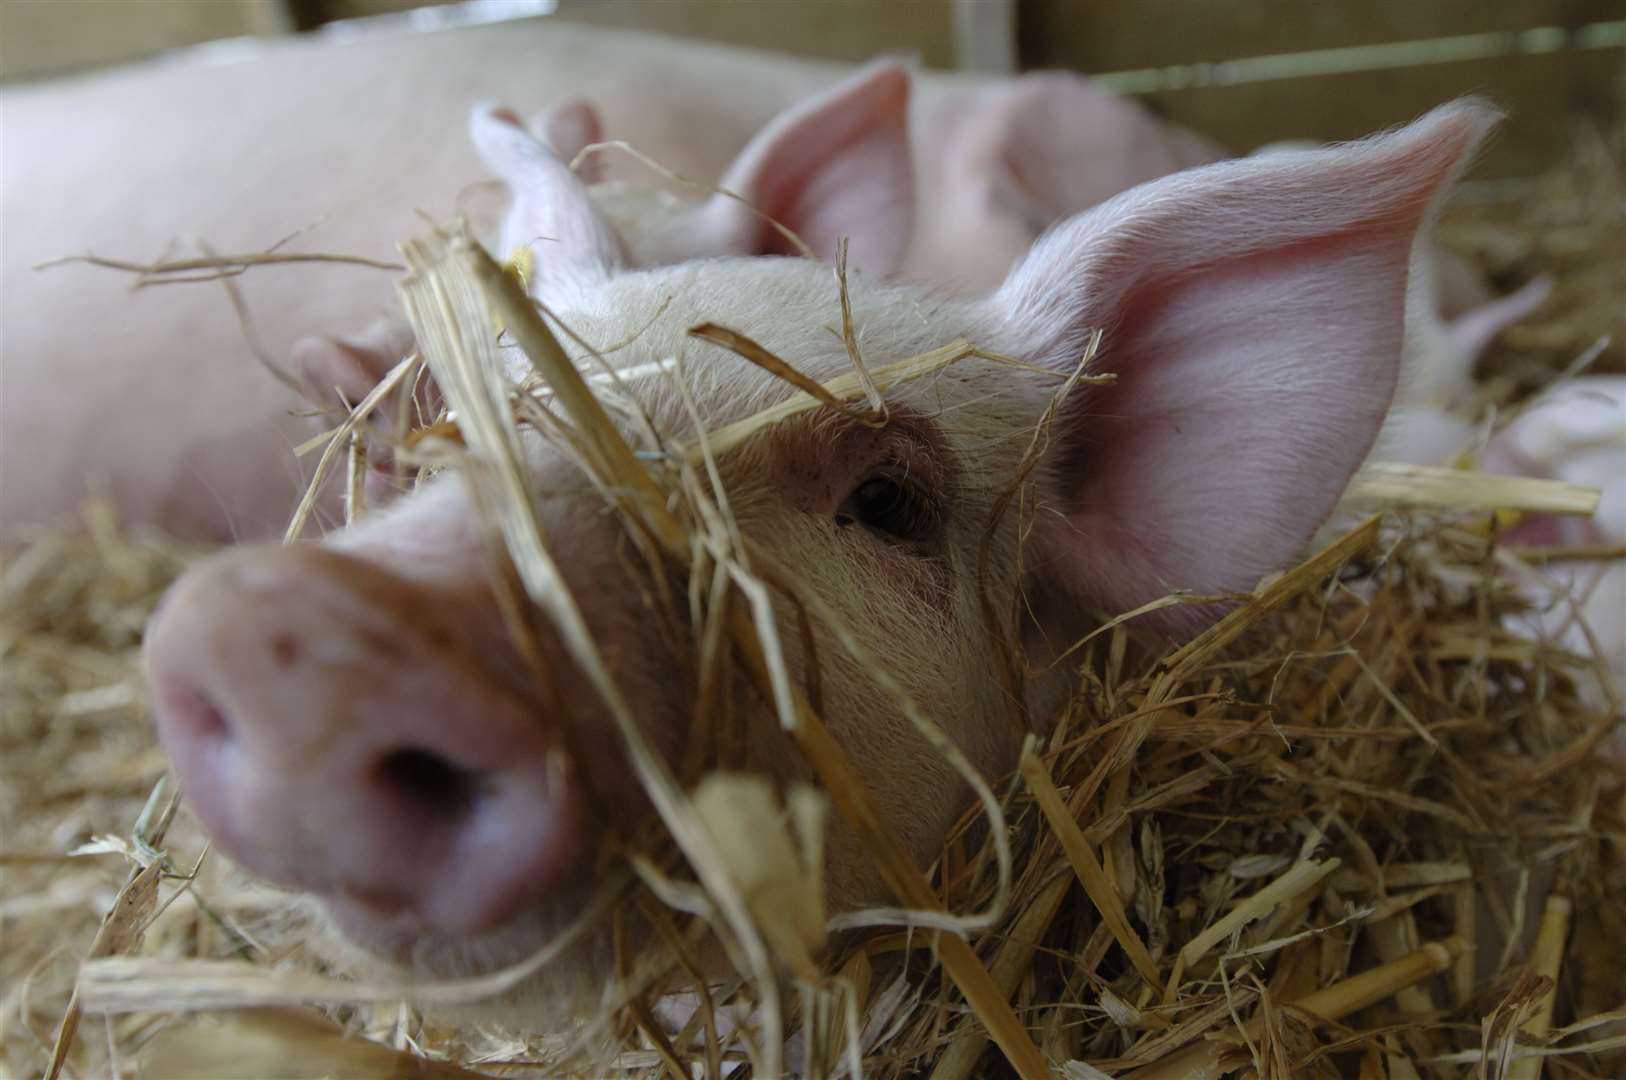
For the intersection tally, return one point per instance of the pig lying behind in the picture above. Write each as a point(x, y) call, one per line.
point(1575, 433)
point(950, 192)
point(840, 163)
point(156, 398)
point(348, 718)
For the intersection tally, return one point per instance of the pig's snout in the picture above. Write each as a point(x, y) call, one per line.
point(343, 730)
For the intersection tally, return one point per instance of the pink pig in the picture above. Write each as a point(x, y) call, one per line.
point(1575, 433)
point(348, 718)
point(143, 162)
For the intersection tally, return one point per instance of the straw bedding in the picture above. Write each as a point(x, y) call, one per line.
point(1359, 828)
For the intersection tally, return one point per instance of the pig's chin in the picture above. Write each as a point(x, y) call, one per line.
point(409, 937)
point(389, 949)
point(401, 941)
point(392, 949)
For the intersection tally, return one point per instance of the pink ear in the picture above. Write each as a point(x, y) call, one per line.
point(837, 165)
point(568, 128)
point(346, 369)
point(573, 247)
point(1253, 312)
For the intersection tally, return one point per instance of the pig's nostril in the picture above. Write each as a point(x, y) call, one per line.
point(198, 717)
point(211, 722)
point(427, 780)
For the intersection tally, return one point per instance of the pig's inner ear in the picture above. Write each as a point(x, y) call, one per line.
point(569, 127)
point(572, 247)
point(836, 166)
point(1253, 314)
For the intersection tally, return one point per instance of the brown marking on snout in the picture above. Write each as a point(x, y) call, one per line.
point(285, 650)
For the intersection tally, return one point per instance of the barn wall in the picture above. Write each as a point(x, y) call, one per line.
point(1243, 71)
point(1339, 70)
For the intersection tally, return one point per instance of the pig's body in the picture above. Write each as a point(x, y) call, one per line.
point(1577, 434)
point(156, 398)
point(348, 718)
point(156, 394)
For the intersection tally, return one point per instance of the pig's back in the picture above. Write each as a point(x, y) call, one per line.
point(155, 395)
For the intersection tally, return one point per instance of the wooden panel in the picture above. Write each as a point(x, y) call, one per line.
point(40, 37)
point(828, 29)
point(1115, 35)
point(321, 11)
point(1545, 96)
point(985, 36)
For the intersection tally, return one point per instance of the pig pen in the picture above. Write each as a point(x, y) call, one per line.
point(1358, 828)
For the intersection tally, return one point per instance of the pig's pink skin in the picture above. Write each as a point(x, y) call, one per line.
point(1429, 423)
point(1254, 317)
point(338, 372)
point(300, 691)
point(835, 166)
point(156, 399)
point(1576, 434)
point(952, 191)
point(569, 127)
point(374, 676)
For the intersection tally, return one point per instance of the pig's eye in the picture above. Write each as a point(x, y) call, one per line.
point(890, 507)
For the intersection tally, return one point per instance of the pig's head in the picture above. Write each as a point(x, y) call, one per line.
point(349, 718)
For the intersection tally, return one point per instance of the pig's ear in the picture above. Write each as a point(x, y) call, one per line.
point(345, 368)
point(551, 214)
point(1253, 314)
point(569, 127)
point(836, 165)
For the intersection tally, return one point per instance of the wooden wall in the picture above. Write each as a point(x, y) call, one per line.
point(44, 36)
point(1533, 57)
point(1243, 71)
point(48, 36)
point(830, 29)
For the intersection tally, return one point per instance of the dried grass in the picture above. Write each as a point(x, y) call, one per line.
point(1356, 827)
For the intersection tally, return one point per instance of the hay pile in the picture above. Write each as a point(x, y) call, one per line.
point(1357, 828)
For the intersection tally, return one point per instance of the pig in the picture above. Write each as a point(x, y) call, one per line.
point(168, 413)
point(348, 717)
point(1575, 433)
